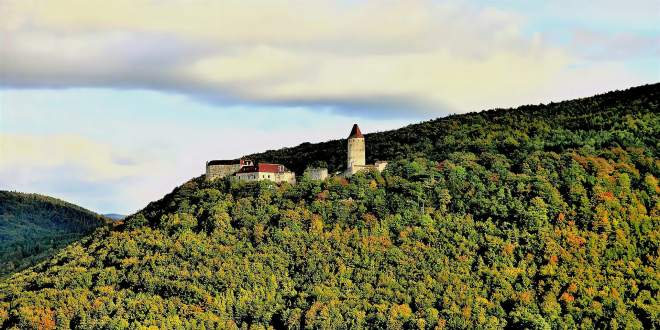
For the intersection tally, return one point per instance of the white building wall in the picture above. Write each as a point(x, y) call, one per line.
point(289, 177)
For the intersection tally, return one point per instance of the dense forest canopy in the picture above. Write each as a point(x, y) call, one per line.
point(537, 217)
point(33, 227)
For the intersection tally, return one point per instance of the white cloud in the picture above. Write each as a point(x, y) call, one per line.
point(417, 56)
point(93, 161)
point(89, 173)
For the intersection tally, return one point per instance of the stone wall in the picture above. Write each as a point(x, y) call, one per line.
point(220, 171)
point(379, 166)
point(317, 173)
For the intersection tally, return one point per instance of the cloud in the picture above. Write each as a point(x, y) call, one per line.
point(91, 160)
point(74, 168)
point(420, 56)
point(373, 58)
point(95, 175)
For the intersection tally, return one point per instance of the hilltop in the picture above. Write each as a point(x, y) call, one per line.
point(542, 216)
point(33, 227)
point(559, 126)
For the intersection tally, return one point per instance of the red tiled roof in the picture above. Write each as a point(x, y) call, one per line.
point(272, 168)
point(267, 168)
point(355, 132)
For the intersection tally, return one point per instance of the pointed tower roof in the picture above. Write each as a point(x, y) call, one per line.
point(355, 133)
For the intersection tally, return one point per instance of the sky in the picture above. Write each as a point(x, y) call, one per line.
point(112, 104)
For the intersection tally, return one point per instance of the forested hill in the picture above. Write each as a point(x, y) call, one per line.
point(599, 121)
point(33, 227)
point(541, 217)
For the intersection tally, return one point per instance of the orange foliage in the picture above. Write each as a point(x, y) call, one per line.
point(601, 165)
point(508, 249)
point(614, 293)
point(606, 196)
point(575, 240)
point(376, 243)
point(97, 303)
point(466, 312)
point(323, 195)
point(526, 297)
point(405, 233)
point(46, 319)
point(567, 297)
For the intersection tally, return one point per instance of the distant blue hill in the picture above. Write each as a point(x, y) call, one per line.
point(114, 216)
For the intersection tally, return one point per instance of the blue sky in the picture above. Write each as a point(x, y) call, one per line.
point(111, 106)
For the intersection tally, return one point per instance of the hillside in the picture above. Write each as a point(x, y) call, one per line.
point(600, 121)
point(33, 227)
point(538, 217)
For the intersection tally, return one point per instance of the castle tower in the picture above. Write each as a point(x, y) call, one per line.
point(355, 149)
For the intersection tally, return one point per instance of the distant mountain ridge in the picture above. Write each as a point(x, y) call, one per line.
point(33, 227)
point(114, 216)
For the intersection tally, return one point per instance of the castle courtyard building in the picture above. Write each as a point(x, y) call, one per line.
point(273, 172)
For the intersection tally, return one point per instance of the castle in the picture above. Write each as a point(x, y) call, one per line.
point(245, 170)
